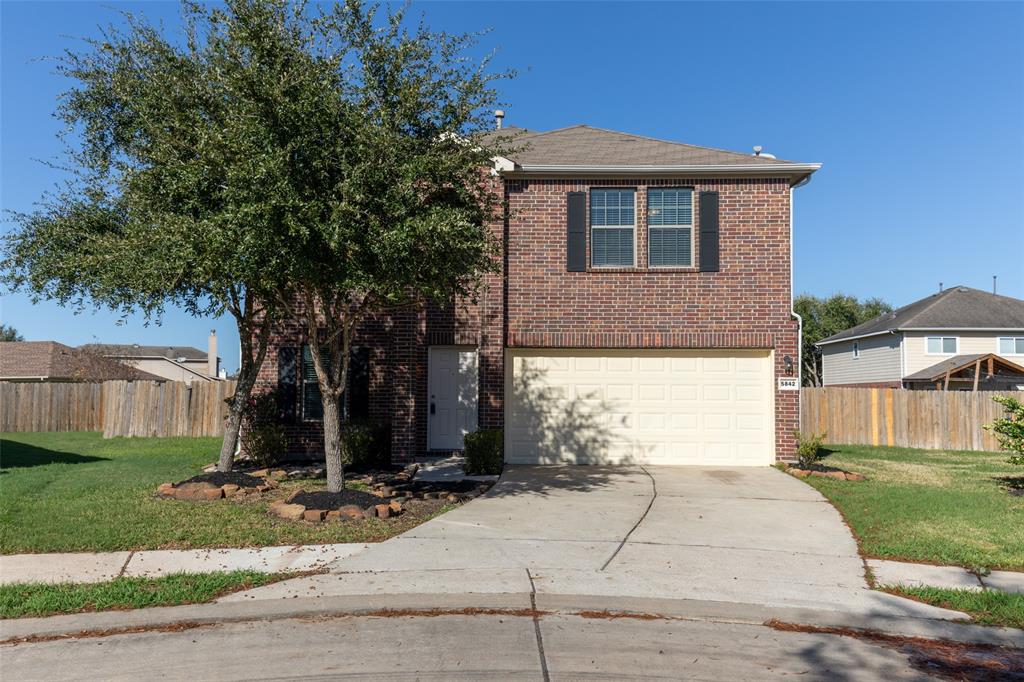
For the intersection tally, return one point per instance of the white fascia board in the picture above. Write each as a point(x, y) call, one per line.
point(962, 329)
point(858, 336)
point(772, 168)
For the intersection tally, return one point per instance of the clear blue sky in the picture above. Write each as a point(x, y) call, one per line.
point(916, 110)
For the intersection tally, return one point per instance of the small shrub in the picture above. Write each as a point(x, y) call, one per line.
point(808, 449)
point(485, 452)
point(263, 436)
point(366, 444)
point(1009, 430)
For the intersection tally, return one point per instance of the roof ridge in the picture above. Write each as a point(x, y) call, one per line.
point(928, 306)
point(675, 142)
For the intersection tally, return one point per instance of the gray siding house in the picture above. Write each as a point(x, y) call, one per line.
point(947, 331)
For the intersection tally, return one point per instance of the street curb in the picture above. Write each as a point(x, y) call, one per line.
point(111, 622)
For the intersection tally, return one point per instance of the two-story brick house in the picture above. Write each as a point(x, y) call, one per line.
point(642, 314)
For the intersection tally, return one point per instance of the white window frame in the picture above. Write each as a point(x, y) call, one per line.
point(650, 228)
point(956, 343)
point(856, 350)
point(1013, 339)
point(590, 245)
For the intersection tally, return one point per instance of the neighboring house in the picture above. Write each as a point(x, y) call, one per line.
point(643, 314)
point(38, 361)
point(960, 331)
point(176, 363)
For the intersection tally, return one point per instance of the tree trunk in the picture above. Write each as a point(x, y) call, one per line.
point(332, 445)
point(233, 423)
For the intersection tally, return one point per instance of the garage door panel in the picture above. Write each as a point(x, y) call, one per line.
point(665, 407)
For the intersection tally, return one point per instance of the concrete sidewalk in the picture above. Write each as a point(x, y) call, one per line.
point(954, 577)
point(85, 567)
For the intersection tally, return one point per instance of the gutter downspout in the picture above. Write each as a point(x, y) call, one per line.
point(793, 312)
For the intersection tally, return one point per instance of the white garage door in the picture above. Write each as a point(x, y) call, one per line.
point(650, 407)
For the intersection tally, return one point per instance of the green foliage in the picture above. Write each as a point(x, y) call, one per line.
point(9, 333)
point(808, 448)
point(18, 600)
point(1009, 430)
point(823, 317)
point(265, 440)
point(485, 452)
point(366, 444)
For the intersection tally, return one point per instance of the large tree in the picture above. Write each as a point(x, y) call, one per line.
point(398, 194)
point(185, 153)
point(823, 317)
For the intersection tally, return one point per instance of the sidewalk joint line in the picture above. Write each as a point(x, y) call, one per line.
point(654, 496)
point(536, 628)
point(124, 566)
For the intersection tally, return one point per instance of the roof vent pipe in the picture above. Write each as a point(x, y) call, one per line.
point(499, 115)
point(993, 284)
point(940, 287)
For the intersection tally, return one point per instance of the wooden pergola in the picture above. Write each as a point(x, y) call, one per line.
point(974, 370)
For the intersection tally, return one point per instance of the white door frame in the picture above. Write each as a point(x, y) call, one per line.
point(473, 410)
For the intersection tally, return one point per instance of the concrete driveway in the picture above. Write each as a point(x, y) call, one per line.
point(747, 535)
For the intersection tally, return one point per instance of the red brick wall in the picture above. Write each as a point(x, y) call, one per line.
point(539, 304)
point(745, 305)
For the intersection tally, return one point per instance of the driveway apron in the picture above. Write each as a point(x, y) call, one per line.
point(748, 535)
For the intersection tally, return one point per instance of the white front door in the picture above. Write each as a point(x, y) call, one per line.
point(452, 386)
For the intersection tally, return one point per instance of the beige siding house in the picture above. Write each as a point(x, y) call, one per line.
point(948, 329)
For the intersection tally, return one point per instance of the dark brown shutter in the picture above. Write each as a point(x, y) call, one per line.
point(576, 235)
point(709, 231)
point(359, 384)
point(287, 383)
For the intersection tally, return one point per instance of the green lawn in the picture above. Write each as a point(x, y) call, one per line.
point(37, 599)
point(933, 506)
point(69, 492)
point(987, 607)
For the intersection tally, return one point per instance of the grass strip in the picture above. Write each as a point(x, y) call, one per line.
point(18, 600)
point(987, 607)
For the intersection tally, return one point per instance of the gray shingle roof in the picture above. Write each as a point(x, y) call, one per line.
point(587, 146)
point(133, 350)
point(955, 308)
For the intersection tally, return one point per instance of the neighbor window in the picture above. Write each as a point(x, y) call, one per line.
point(612, 227)
point(941, 345)
point(856, 349)
point(670, 227)
point(312, 407)
point(1011, 345)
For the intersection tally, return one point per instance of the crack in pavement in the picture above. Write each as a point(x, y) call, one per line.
point(536, 629)
point(654, 496)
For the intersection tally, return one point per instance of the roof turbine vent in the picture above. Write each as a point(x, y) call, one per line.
point(758, 152)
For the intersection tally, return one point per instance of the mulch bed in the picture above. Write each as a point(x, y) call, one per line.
point(219, 478)
point(823, 471)
point(326, 500)
point(461, 486)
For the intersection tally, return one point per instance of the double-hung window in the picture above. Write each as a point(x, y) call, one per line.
point(1011, 345)
point(941, 345)
point(612, 227)
point(670, 227)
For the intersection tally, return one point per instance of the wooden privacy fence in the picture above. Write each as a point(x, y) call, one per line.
point(50, 407)
point(117, 408)
point(948, 420)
